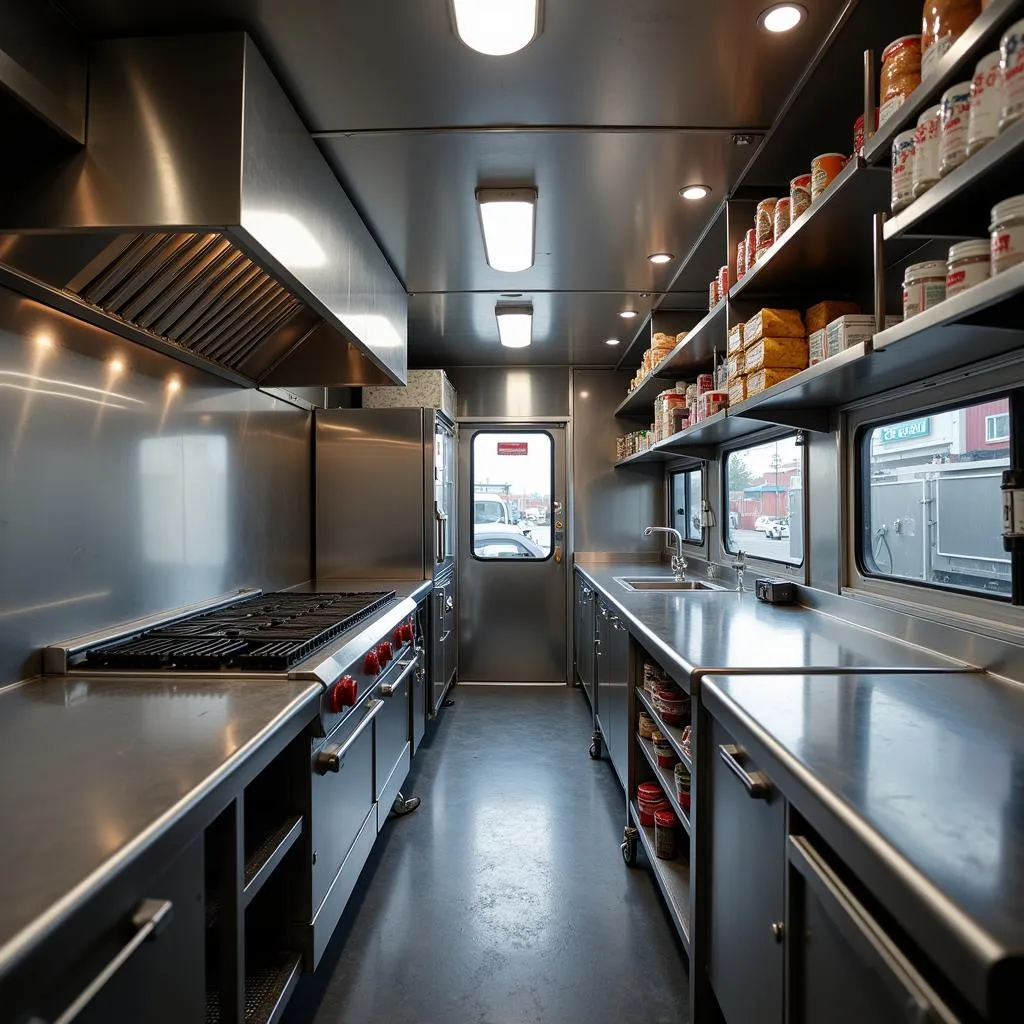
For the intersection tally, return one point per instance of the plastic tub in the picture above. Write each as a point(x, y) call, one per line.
point(1007, 234)
point(969, 263)
point(924, 286)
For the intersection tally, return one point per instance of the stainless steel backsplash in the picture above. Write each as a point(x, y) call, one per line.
point(130, 483)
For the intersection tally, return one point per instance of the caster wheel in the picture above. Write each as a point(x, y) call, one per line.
point(628, 847)
point(595, 747)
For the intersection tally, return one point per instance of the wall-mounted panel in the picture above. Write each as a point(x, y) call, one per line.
point(527, 392)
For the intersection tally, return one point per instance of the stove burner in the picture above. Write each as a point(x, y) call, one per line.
point(268, 633)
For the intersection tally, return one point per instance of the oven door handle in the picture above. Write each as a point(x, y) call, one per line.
point(334, 760)
point(390, 689)
point(149, 919)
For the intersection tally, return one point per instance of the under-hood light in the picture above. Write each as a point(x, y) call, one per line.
point(515, 325)
point(496, 27)
point(509, 223)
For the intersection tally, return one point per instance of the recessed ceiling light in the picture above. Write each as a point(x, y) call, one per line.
point(781, 17)
point(496, 27)
point(509, 223)
point(661, 257)
point(116, 365)
point(515, 325)
point(695, 192)
point(628, 314)
point(612, 341)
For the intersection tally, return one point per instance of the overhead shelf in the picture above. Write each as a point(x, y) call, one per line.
point(956, 65)
point(960, 204)
point(697, 442)
point(829, 246)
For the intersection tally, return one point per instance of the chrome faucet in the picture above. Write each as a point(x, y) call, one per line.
point(679, 563)
point(740, 565)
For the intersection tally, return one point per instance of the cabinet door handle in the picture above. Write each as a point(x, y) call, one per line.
point(149, 919)
point(334, 760)
point(757, 784)
point(390, 689)
point(867, 938)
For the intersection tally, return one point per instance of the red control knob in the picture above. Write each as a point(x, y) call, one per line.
point(385, 652)
point(343, 694)
point(372, 664)
point(406, 633)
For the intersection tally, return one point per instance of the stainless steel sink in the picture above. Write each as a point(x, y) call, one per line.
point(662, 583)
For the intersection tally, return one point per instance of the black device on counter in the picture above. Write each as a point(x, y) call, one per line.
point(775, 591)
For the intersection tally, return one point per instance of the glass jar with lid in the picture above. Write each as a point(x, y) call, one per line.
point(901, 75)
point(968, 264)
point(943, 23)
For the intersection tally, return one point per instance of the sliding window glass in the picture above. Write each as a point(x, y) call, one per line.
point(686, 493)
point(930, 503)
point(764, 495)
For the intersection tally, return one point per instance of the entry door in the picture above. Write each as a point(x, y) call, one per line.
point(512, 558)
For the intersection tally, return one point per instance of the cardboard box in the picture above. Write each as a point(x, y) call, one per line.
point(773, 323)
point(738, 390)
point(778, 353)
point(817, 347)
point(846, 331)
point(766, 378)
point(735, 342)
point(820, 315)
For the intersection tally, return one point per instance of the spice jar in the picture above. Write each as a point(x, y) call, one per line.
point(901, 75)
point(903, 170)
point(956, 106)
point(968, 265)
point(782, 208)
point(1007, 234)
point(799, 196)
point(986, 103)
point(943, 23)
point(924, 286)
point(926, 151)
point(645, 725)
point(682, 774)
point(741, 260)
point(824, 170)
point(665, 835)
point(1011, 66)
point(764, 225)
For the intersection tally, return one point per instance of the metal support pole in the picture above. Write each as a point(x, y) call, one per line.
point(878, 252)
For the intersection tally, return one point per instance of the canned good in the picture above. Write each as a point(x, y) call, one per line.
point(645, 725)
point(968, 264)
point(713, 296)
point(764, 224)
point(649, 800)
point(924, 286)
point(901, 75)
point(751, 246)
point(1007, 234)
point(956, 107)
point(1011, 64)
point(986, 103)
point(723, 281)
point(799, 196)
point(858, 133)
point(741, 260)
point(903, 170)
point(705, 382)
point(824, 170)
point(926, 151)
point(682, 776)
point(782, 221)
point(665, 835)
point(715, 402)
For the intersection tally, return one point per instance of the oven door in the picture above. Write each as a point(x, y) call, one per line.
point(392, 741)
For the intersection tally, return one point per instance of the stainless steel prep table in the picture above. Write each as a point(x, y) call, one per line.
point(698, 632)
point(917, 783)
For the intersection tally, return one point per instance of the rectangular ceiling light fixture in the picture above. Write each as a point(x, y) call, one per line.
point(497, 27)
point(515, 325)
point(508, 217)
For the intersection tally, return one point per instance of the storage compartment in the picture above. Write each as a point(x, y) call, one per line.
point(585, 637)
point(392, 749)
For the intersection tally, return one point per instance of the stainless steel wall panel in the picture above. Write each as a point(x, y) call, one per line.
point(132, 483)
point(823, 511)
point(526, 392)
point(610, 507)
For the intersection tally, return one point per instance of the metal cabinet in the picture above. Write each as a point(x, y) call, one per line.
point(746, 896)
point(612, 686)
point(585, 637)
point(843, 967)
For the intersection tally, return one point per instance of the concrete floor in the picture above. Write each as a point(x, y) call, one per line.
point(504, 898)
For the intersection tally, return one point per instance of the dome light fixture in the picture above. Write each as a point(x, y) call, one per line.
point(695, 192)
point(782, 18)
point(661, 257)
point(515, 325)
point(496, 27)
point(628, 314)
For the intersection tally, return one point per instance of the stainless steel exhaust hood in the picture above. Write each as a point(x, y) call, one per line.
point(200, 217)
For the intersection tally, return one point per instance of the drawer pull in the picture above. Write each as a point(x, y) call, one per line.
point(757, 784)
point(390, 689)
point(333, 760)
point(149, 919)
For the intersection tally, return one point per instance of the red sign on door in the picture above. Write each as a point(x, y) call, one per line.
point(513, 448)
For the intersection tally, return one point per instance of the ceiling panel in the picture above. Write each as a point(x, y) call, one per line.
point(398, 64)
point(568, 329)
point(607, 200)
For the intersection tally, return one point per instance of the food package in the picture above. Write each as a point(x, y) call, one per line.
point(766, 378)
point(819, 316)
point(847, 331)
point(661, 340)
point(773, 323)
point(714, 402)
point(738, 390)
point(777, 353)
point(817, 347)
point(735, 364)
point(735, 343)
point(681, 336)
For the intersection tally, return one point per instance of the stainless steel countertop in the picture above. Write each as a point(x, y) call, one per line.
point(104, 765)
point(702, 631)
point(920, 779)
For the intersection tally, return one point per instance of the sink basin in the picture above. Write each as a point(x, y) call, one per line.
point(661, 583)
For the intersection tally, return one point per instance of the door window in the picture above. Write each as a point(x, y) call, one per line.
point(512, 476)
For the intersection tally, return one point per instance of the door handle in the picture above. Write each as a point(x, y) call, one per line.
point(149, 919)
point(757, 784)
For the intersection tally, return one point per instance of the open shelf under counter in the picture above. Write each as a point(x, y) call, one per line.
point(666, 779)
point(672, 876)
point(665, 729)
point(956, 65)
point(269, 985)
point(261, 862)
point(960, 204)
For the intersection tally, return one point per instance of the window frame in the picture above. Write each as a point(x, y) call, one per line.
point(990, 419)
point(797, 569)
point(688, 472)
point(526, 432)
point(861, 471)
